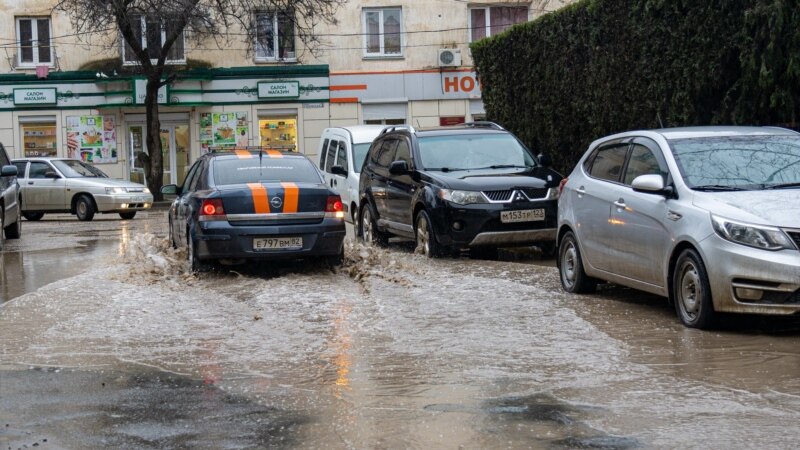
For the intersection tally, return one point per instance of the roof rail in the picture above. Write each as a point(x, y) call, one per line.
point(391, 128)
point(484, 124)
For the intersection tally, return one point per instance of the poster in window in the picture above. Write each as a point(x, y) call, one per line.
point(228, 129)
point(92, 139)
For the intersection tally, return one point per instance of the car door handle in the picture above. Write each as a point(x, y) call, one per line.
point(30, 182)
point(581, 190)
point(620, 204)
point(331, 182)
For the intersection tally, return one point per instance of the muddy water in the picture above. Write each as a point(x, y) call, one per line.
point(392, 351)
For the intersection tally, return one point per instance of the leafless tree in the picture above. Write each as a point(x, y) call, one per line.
point(222, 22)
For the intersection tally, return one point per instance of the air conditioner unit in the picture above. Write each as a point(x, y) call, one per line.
point(449, 57)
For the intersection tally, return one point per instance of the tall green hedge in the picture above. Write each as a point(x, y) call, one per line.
point(598, 67)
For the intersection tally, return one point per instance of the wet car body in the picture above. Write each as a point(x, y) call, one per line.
point(710, 247)
point(63, 185)
point(268, 213)
point(10, 219)
point(481, 204)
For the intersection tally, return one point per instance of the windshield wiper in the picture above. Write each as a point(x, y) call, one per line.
point(717, 187)
point(444, 169)
point(782, 186)
point(502, 166)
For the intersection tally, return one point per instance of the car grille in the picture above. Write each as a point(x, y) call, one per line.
point(507, 195)
point(795, 235)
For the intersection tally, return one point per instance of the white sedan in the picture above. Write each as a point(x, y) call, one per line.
point(61, 185)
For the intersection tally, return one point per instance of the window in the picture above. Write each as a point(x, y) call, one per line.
point(330, 160)
point(608, 162)
point(33, 34)
point(386, 155)
point(274, 37)
point(383, 28)
point(21, 166)
point(341, 155)
point(487, 21)
point(323, 154)
point(385, 122)
point(152, 33)
point(642, 162)
point(403, 152)
point(39, 169)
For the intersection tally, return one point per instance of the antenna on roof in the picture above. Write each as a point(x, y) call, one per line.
point(418, 125)
point(658, 116)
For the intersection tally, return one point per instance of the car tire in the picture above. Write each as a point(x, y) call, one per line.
point(570, 267)
point(33, 217)
point(368, 228)
point(127, 215)
point(172, 242)
point(426, 237)
point(84, 208)
point(691, 291)
point(14, 231)
point(195, 264)
point(2, 223)
point(335, 260)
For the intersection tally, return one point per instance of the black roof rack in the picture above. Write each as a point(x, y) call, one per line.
point(391, 128)
point(484, 124)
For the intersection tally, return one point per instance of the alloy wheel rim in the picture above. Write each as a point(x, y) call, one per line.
point(568, 265)
point(82, 208)
point(690, 291)
point(423, 239)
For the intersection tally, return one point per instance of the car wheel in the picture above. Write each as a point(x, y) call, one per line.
point(335, 260)
point(33, 217)
point(426, 238)
point(2, 223)
point(195, 264)
point(692, 291)
point(570, 267)
point(128, 215)
point(14, 231)
point(84, 208)
point(368, 229)
point(172, 242)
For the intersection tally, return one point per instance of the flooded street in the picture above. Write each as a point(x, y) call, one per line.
point(107, 342)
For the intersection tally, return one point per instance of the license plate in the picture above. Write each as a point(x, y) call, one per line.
point(522, 215)
point(278, 243)
point(137, 199)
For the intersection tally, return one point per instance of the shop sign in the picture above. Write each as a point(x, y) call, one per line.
point(283, 89)
point(140, 91)
point(452, 120)
point(35, 96)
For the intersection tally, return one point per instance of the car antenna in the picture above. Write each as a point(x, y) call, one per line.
point(658, 116)
point(260, 166)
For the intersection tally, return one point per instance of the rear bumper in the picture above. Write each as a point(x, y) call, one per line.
point(220, 240)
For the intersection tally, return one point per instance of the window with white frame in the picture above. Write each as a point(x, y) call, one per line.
point(383, 31)
point(152, 32)
point(485, 21)
point(33, 35)
point(274, 36)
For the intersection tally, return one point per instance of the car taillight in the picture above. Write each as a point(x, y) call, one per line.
point(334, 207)
point(212, 207)
point(561, 185)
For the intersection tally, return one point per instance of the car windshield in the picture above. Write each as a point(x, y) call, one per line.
point(473, 151)
point(72, 168)
point(266, 169)
point(739, 162)
point(360, 155)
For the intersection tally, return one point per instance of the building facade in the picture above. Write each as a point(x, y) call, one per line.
point(383, 62)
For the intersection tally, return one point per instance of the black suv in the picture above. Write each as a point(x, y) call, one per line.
point(10, 221)
point(473, 186)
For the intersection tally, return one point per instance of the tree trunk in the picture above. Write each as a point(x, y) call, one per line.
point(155, 163)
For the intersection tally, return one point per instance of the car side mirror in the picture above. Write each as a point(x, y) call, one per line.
point(51, 174)
point(398, 167)
point(169, 189)
point(339, 170)
point(652, 184)
point(544, 160)
point(8, 171)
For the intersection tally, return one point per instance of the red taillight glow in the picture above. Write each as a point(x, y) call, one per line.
point(561, 185)
point(334, 207)
point(212, 207)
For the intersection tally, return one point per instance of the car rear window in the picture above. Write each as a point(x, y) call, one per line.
point(257, 170)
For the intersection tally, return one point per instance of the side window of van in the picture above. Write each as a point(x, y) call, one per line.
point(330, 159)
point(323, 151)
point(341, 157)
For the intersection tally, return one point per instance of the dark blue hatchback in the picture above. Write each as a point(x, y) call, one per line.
point(242, 205)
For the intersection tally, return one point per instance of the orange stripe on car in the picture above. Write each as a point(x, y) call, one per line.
point(274, 154)
point(243, 154)
point(260, 201)
point(291, 195)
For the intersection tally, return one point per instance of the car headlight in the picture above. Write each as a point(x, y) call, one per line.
point(462, 197)
point(116, 190)
point(146, 190)
point(758, 236)
point(552, 194)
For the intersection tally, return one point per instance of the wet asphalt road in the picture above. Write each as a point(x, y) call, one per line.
point(106, 342)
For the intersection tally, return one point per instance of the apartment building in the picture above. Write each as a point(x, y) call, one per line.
point(383, 62)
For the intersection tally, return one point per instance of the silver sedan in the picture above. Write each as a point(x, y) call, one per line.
point(707, 216)
point(53, 185)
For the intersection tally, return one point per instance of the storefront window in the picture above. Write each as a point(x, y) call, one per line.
point(385, 122)
point(278, 133)
point(39, 139)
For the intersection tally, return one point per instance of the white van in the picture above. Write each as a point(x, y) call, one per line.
point(346, 147)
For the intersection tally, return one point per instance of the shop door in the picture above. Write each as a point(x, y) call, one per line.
point(174, 152)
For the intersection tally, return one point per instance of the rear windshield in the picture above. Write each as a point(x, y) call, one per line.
point(473, 151)
point(257, 170)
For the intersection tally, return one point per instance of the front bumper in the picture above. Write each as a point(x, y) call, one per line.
point(480, 225)
point(749, 280)
point(221, 240)
point(123, 202)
